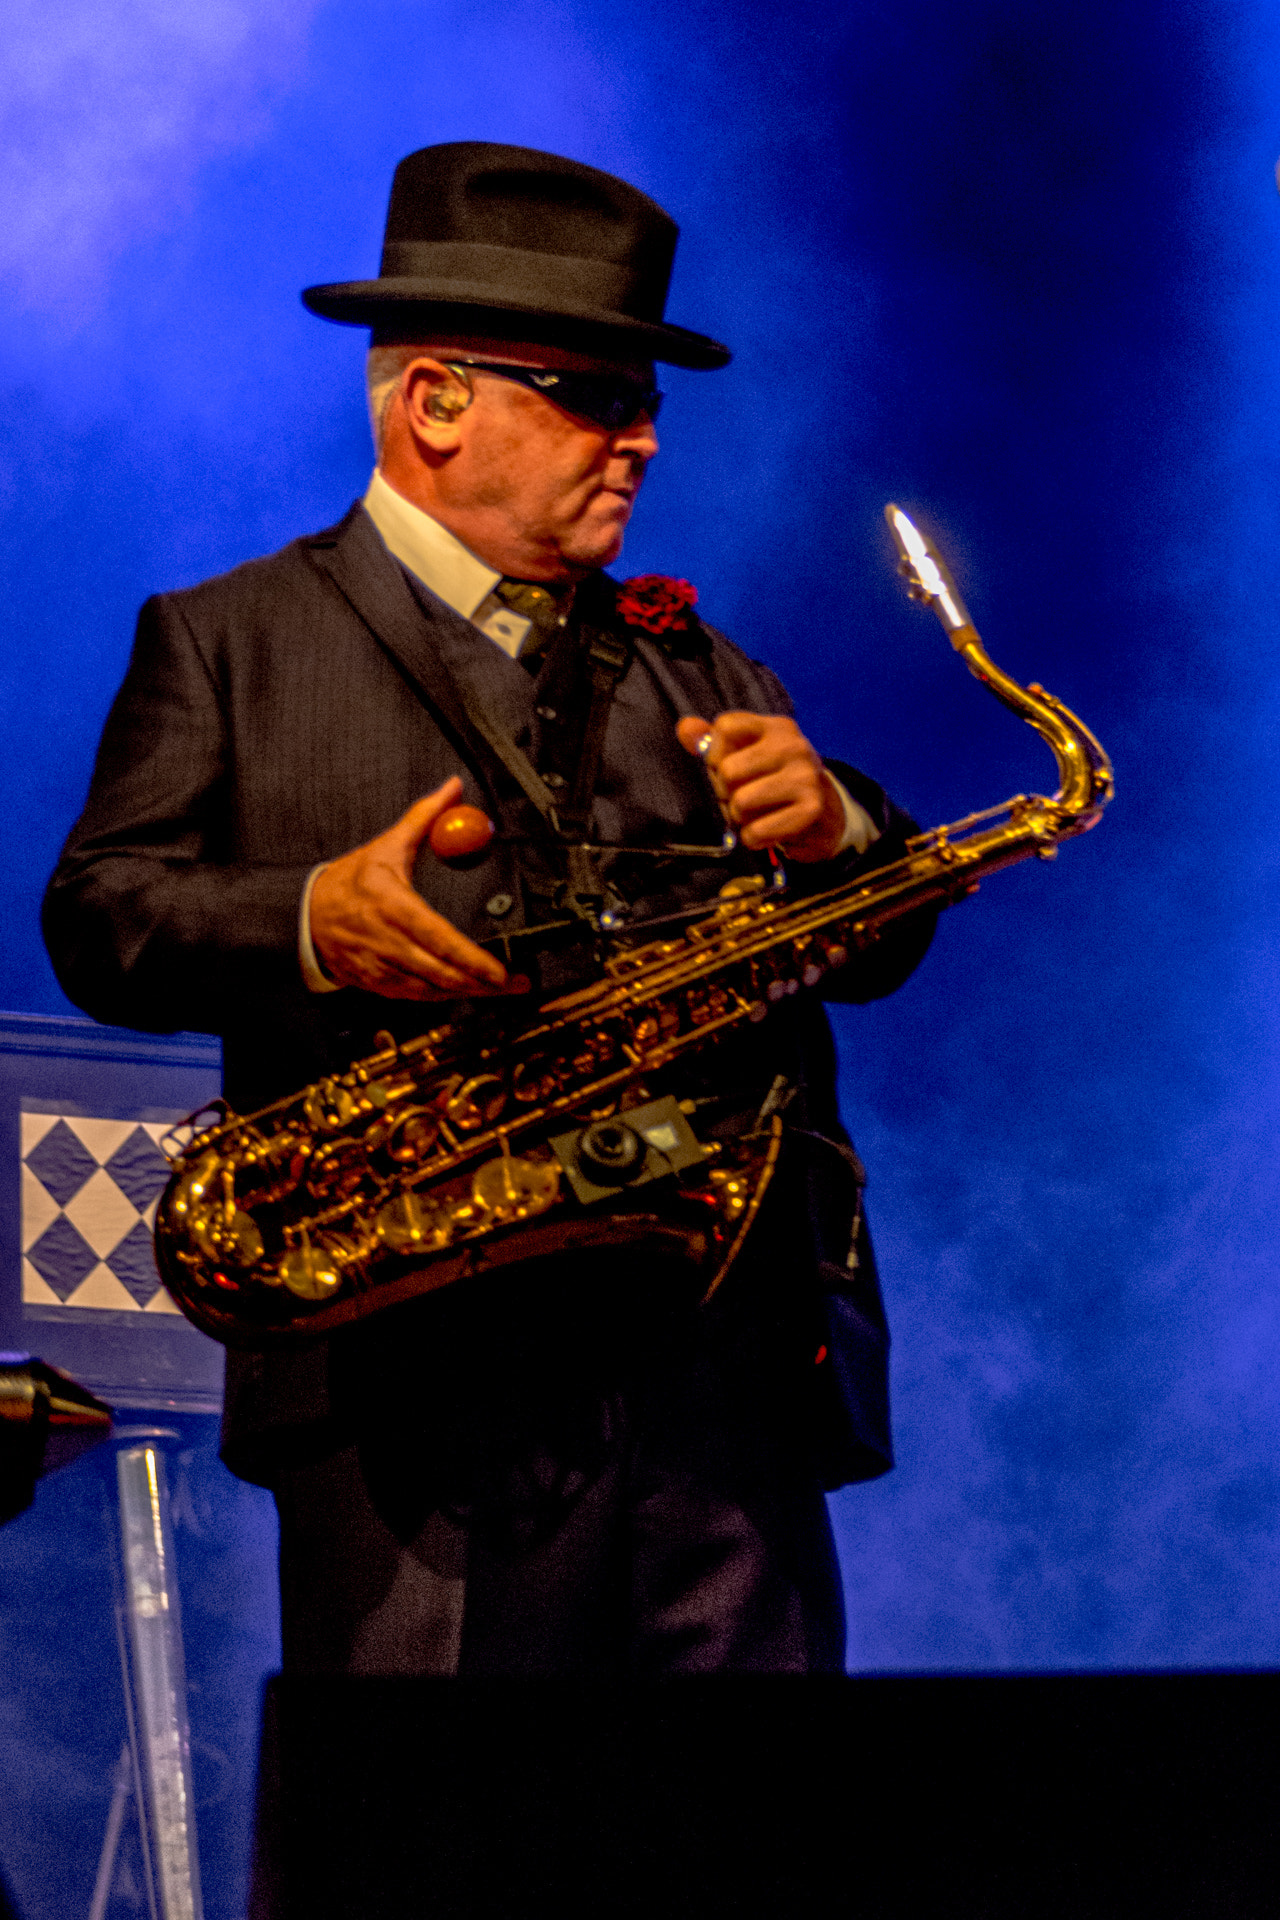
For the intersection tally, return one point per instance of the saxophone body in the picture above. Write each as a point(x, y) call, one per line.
point(485, 1145)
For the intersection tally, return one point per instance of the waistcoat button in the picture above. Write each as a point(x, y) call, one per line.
point(498, 904)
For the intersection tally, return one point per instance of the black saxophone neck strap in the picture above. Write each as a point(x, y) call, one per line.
point(517, 764)
point(607, 657)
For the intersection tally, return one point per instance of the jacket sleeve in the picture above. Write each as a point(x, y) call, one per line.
point(150, 920)
point(882, 968)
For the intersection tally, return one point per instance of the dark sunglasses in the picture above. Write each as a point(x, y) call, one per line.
point(608, 400)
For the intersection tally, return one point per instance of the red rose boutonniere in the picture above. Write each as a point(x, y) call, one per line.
point(657, 604)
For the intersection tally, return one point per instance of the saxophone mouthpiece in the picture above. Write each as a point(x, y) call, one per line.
point(925, 571)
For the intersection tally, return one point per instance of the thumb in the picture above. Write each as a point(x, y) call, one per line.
point(691, 731)
point(403, 840)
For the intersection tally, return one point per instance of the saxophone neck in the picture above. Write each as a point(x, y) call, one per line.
point(1085, 780)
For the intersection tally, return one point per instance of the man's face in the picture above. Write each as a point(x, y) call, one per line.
point(565, 486)
point(542, 493)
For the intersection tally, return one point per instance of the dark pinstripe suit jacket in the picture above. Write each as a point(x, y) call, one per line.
point(285, 712)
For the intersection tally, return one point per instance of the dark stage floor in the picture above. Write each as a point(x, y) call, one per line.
point(1058, 1797)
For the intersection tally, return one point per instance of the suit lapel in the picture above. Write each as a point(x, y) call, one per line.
point(429, 642)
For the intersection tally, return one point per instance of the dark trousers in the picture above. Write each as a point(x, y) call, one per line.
point(527, 1491)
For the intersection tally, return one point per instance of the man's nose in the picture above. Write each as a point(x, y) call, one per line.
point(640, 439)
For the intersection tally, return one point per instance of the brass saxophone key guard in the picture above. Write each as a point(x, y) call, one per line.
point(450, 1157)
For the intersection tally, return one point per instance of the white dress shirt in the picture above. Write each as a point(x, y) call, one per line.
point(465, 583)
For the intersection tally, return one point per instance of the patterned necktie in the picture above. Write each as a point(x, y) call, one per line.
point(545, 607)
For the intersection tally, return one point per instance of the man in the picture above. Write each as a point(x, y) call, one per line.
point(591, 1476)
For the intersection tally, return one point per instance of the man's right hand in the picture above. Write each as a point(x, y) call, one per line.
point(370, 929)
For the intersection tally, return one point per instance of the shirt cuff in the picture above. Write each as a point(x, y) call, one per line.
point(860, 830)
point(314, 977)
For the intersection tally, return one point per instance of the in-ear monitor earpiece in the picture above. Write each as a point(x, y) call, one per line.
point(447, 406)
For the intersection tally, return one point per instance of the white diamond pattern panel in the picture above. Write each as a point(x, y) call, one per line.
point(102, 1213)
point(101, 1289)
point(102, 1137)
point(35, 1291)
point(94, 1250)
point(34, 1128)
point(39, 1208)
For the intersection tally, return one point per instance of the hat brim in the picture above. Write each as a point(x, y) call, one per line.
point(390, 303)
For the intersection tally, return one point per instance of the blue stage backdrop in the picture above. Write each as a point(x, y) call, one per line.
point(1015, 266)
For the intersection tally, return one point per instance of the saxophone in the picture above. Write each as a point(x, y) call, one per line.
point(462, 1152)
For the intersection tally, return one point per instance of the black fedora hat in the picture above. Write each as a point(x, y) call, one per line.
point(529, 245)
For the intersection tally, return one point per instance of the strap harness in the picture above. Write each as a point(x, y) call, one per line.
point(608, 658)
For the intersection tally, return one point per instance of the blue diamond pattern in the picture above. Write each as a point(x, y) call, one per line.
point(139, 1169)
point(134, 1264)
point(61, 1163)
point(62, 1257)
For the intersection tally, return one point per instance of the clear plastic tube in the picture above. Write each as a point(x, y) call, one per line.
point(159, 1680)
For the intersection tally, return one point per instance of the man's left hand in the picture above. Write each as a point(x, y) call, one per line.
point(772, 785)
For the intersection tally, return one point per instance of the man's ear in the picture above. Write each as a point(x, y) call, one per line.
point(434, 396)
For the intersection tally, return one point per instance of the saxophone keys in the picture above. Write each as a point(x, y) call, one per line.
point(240, 1240)
point(219, 1230)
point(413, 1137)
point(328, 1106)
point(309, 1272)
point(190, 1195)
point(337, 1171)
point(234, 1241)
point(406, 1225)
point(513, 1188)
point(732, 1192)
point(477, 1103)
point(535, 1079)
